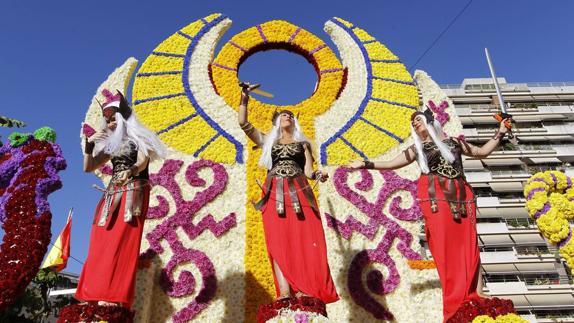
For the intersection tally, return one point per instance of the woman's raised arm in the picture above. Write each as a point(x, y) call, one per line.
point(253, 133)
point(488, 147)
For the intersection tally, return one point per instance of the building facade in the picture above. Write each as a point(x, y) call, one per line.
point(517, 262)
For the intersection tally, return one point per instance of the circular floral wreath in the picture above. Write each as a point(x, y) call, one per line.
point(550, 201)
point(29, 167)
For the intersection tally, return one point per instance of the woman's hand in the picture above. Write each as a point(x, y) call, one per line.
point(356, 164)
point(321, 176)
point(123, 177)
point(246, 88)
point(503, 129)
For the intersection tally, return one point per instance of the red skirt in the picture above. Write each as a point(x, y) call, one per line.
point(453, 243)
point(297, 243)
point(110, 268)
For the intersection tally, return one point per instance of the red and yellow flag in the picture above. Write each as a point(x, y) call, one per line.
point(57, 258)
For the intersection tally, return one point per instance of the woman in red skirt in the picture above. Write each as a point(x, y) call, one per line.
point(447, 202)
point(293, 230)
point(108, 276)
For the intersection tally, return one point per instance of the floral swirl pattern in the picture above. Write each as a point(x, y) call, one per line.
point(185, 212)
point(376, 283)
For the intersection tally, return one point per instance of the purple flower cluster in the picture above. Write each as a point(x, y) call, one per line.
point(182, 218)
point(441, 115)
point(301, 318)
point(376, 283)
point(28, 174)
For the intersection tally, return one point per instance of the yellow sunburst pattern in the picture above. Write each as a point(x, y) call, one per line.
point(381, 121)
point(165, 103)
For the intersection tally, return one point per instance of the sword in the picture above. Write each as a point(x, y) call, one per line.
point(255, 89)
point(503, 114)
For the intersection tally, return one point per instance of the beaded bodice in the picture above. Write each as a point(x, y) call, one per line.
point(125, 162)
point(438, 165)
point(288, 159)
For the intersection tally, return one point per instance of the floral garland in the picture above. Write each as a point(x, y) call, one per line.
point(279, 34)
point(422, 264)
point(95, 313)
point(506, 318)
point(29, 167)
point(550, 201)
point(297, 308)
point(491, 307)
point(288, 316)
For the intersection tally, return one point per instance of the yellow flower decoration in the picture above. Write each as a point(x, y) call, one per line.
point(552, 226)
point(506, 318)
point(550, 200)
point(483, 319)
point(382, 120)
point(165, 103)
point(284, 35)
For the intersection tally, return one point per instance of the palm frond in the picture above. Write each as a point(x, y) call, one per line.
point(10, 123)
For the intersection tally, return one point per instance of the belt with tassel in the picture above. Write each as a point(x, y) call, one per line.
point(456, 198)
point(112, 194)
point(291, 189)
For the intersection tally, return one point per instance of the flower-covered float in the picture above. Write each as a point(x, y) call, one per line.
point(203, 256)
point(29, 166)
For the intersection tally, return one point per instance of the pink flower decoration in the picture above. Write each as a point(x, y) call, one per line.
point(376, 283)
point(439, 111)
point(185, 211)
point(87, 130)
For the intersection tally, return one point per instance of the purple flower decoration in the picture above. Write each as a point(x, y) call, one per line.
point(301, 318)
point(439, 111)
point(376, 282)
point(183, 217)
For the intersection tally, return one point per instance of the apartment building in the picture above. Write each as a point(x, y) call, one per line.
point(517, 262)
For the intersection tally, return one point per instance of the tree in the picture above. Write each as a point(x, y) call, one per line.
point(33, 305)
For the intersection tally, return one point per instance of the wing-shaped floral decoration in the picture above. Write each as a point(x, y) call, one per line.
point(376, 103)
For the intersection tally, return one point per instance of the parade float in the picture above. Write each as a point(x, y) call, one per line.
point(203, 255)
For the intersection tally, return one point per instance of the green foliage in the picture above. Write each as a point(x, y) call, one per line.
point(45, 134)
point(18, 138)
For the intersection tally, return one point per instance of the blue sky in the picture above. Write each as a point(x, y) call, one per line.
point(54, 54)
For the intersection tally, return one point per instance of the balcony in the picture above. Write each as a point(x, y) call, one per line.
point(530, 112)
point(533, 297)
point(507, 181)
point(506, 208)
point(499, 235)
point(524, 134)
point(513, 262)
